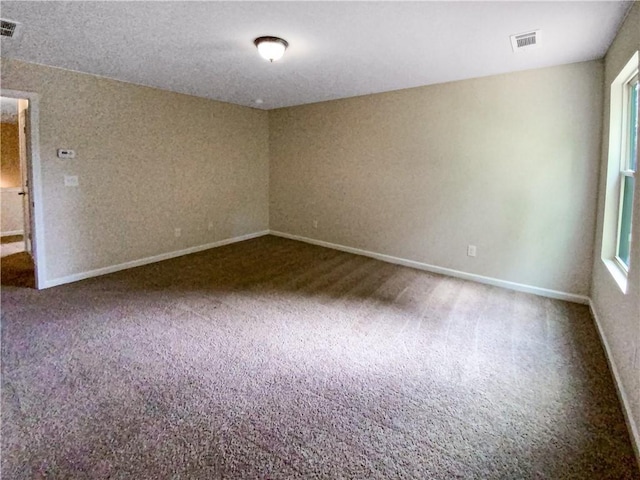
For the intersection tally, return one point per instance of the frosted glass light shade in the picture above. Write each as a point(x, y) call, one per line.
point(271, 48)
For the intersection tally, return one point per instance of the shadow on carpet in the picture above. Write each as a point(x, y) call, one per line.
point(273, 359)
point(17, 270)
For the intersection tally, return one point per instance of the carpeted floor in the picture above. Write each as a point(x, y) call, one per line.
point(274, 359)
point(16, 265)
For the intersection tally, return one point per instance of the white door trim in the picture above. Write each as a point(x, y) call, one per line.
point(34, 173)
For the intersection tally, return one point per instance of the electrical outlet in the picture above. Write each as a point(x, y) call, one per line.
point(315, 224)
point(177, 232)
point(471, 250)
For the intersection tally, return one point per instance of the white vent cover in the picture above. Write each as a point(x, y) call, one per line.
point(9, 28)
point(525, 41)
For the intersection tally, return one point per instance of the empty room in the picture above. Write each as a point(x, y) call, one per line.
point(333, 240)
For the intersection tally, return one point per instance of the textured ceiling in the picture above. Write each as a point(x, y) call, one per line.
point(337, 49)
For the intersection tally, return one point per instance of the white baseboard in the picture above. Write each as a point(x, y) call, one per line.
point(147, 260)
point(11, 233)
point(520, 287)
point(634, 433)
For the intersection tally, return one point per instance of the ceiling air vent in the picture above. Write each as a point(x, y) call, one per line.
point(8, 28)
point(525, 41)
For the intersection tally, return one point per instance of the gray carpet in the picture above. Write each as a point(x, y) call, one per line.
point(275, 359)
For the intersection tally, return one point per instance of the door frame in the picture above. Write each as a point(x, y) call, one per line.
point(23, 122)
point(34, 176)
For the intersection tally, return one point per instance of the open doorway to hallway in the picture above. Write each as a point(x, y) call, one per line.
point(17, 266)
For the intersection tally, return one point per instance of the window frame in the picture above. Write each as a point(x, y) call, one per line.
point(616, 171)
point(626, 170)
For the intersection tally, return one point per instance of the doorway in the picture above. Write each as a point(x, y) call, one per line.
point(16, 263)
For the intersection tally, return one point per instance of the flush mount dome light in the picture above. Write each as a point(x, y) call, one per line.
point(271, 48)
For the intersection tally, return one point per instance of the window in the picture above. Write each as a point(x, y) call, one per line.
point(628, 168)
point(622, 170)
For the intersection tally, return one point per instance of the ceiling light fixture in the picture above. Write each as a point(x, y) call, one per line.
point(271, 48)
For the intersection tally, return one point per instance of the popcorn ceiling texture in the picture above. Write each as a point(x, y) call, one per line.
point(276, 359)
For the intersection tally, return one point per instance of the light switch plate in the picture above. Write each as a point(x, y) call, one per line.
point(71, 181)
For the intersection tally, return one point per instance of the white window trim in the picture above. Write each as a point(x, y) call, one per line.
point(624, 157)
point(616, 154)
point(618, 274)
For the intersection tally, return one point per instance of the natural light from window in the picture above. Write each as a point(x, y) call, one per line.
point(621, 173)
point(628, 168)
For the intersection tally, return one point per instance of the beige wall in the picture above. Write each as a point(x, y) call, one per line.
point(9, 156)
point(148, 161)
point(10, 180)
point(619, 314)
point(11, 220)
point(508, 163)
